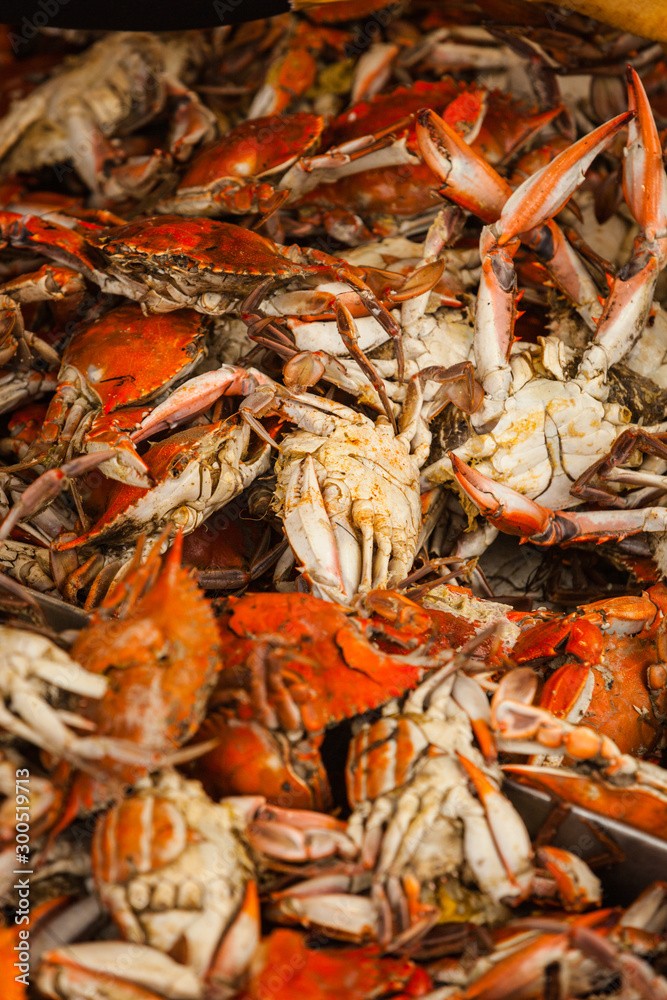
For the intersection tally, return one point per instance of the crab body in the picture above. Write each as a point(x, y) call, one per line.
point(436, 836)
point(167, 262)
point(400, 193)
point(239, 173)
point(196, 471)
point(306, 973)
point(360, 480)
point(549, 441)
point(159, 657)
point(604, 666)
point(551, 429)
point(119, 84)
point(589, 950)
point(172, 868)
point(121, 360)
point(293, 666)
point(213, 261)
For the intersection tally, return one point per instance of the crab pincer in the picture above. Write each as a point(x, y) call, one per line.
point(471, 182)
point(538, 199)
point(628, 305)
point(516, 514)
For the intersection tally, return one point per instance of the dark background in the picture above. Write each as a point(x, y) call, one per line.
point(136, 15)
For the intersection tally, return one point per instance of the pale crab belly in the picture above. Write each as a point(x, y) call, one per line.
point(385, 477)
point(541, 446)
point(185, 500)
point(350, 478)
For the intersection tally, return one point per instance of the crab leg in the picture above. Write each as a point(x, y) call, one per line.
point(515, 514)
point(536, 200)
point(473, 184)
point(197, 394)
point(502, 837)
point(349, 335)
point(645, 187)
point(48, 486)
point(92, 967)
point(313, 538)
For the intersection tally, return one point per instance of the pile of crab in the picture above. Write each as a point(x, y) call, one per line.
point(317, 555)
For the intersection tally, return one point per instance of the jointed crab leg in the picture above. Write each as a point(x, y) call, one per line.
point(538, 199)
point(516, 514)
point(48, 486)
point(645, 187)
point(473, 184)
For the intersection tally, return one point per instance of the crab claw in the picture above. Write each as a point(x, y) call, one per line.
point(508, 510)
point(576, 884)
point(467, 178)
point(546, 192)
point(516, 514)
point(96, 967)
point(196, 395)
point(644, 181)
point(630, 299)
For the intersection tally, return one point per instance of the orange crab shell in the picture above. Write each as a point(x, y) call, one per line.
point(219, 248)
point(122, 519)
point(161, 657)
point(331, 667)
point(26, 423)
point(508, 125)
point(634, 804)
point(382, 111)
point(126, 356)
point(314, 660)
point(408, 191)
point(578, 637)
point(285, 968)
point(254, 148)
point(406, 621)
point(131, 838)
point(248, 759)
point(620, 674)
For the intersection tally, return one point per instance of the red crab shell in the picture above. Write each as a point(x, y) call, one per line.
point(334, 668)
point(620, 676)
point(506, 126)
point(382, 195)
point(293, 663)
point(382, 111)
point(123, 358)
point(126, 356)
point(255, 148)
point(406, 192)
point(285, 968)
point(161, 657)
point(227, 254)
point(636, 804)
point(407, 621)
point(127, 512)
